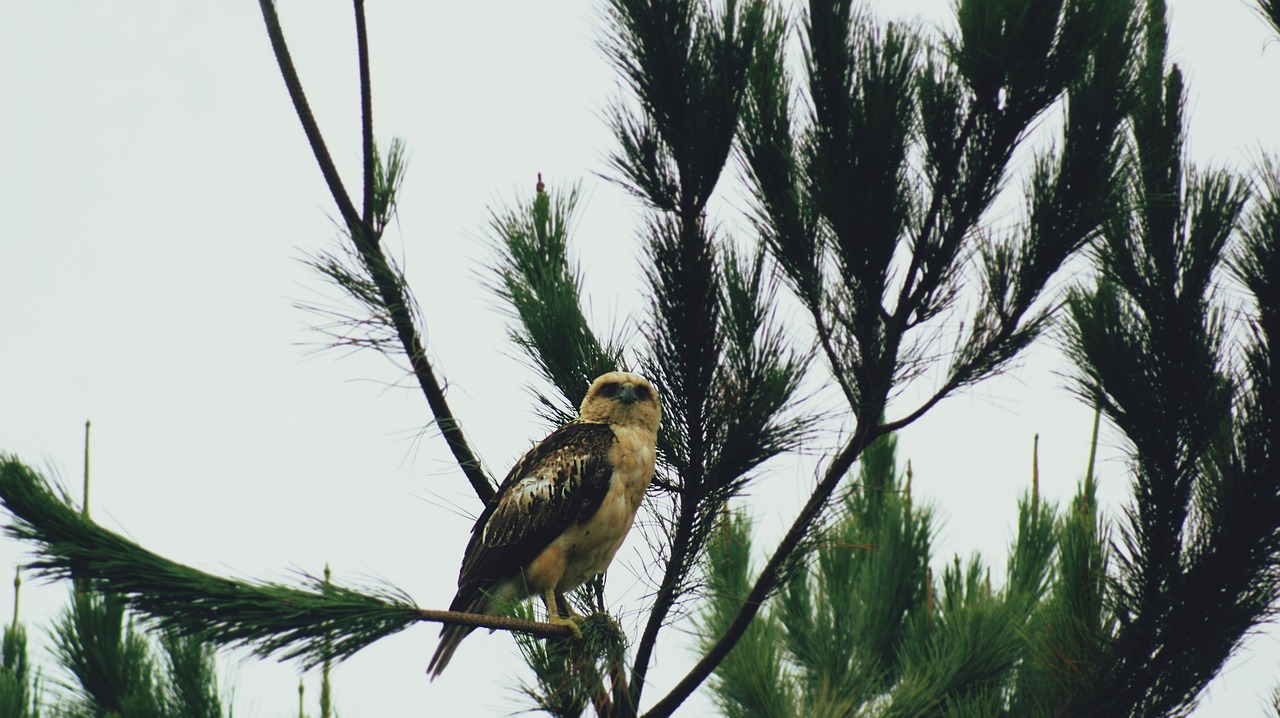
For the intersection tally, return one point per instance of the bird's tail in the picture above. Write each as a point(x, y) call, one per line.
point(452, 634)
point(450, 637)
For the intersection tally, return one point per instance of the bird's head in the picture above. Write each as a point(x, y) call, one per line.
point(624, 398)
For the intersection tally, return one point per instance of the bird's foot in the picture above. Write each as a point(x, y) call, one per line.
point(573, 622)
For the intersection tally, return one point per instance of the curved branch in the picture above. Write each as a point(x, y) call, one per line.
point(305, 116)
point(365, 239)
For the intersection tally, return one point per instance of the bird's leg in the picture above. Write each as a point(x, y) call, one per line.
point(552, 599)
point(566, 609)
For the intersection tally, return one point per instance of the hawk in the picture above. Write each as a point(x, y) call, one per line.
point(563, 510)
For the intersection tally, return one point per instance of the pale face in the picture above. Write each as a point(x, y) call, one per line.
point(621, 397)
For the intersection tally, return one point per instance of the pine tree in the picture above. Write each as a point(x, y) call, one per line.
point(872, 175)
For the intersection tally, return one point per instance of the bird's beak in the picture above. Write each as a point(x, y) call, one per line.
point(627, 394)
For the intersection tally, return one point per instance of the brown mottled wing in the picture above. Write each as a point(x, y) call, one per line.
point(560, 481)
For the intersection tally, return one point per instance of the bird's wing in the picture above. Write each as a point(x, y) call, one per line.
point(561, 480)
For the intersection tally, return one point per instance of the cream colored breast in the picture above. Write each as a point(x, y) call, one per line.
point(633, 456)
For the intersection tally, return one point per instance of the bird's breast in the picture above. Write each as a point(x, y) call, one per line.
point(633, 456)
point(589, 546)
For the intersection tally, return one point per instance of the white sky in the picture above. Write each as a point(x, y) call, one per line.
point(158, 192)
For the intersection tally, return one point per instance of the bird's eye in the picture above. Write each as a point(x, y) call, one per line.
point(610, 389)
point(642, 393)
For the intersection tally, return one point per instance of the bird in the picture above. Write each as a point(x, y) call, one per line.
point(562, 511)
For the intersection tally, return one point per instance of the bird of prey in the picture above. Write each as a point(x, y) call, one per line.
point(563, 510)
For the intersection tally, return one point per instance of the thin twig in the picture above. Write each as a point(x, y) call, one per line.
point(365, 240)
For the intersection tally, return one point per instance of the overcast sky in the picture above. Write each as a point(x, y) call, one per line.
point(158, 192)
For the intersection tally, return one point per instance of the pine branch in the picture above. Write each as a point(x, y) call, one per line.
point(111, 663)
point(1202, 540)
point(192, 677)
point(570, 674)
point(971, 645)
point(309, 126)
point(848, 615)
point(543, 287)
point(19, 688)
point(720, 367)
point(391, 292)
point(537, 629)
point(1270, 10)
point(309, 623)
point(1070, 631)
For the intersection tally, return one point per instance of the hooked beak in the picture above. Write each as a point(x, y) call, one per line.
point(627, 394)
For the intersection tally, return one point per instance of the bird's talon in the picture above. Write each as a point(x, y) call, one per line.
point(573, 622)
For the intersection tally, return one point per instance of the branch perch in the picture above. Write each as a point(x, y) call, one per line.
point(497, 623)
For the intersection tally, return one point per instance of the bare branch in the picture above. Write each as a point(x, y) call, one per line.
point(366, 111)
point(365, 239)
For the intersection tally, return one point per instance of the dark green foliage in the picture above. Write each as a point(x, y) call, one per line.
point(387, 178)
point(960, 657)
point(1200, 544)
point(878, 260)
point(752, 680)
point(846, 616)
point(970, 643)
point(836, 209)
point(311, 623)
point(757, 379)
point(193, 687)
point(860, 81)
point(362, 276)
point(685, 64)
point(1071, 626)
point(110, 663)
point(875, 257)
point(1195, 565)
point(864, 630)
point(114, 669)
